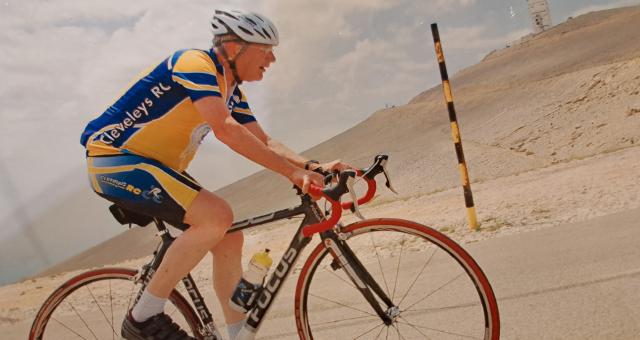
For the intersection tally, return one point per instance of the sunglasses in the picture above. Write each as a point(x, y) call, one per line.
point(264, 48)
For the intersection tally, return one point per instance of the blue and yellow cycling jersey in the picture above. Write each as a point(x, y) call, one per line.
point(156, 118)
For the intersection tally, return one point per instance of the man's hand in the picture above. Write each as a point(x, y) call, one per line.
point(304, 178)
point(331, 167)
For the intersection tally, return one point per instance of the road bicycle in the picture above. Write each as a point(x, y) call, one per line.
point(372, 279)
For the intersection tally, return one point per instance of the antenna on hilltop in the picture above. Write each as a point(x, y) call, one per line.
point(540, 15)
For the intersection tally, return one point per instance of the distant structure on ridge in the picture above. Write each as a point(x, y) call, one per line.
point(540, 15)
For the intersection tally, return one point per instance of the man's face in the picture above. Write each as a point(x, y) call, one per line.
point(254, 61)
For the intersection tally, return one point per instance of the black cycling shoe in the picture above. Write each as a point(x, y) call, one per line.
point(158, 327)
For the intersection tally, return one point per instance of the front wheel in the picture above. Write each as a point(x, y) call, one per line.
point(437, 289)
point(92, 305)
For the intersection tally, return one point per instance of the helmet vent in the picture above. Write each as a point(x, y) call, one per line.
point(260, 33)
point(245, 30)
point(230, 15)
point(266, 33)
point(252, 22)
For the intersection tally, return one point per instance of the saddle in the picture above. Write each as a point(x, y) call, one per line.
point(124, 216)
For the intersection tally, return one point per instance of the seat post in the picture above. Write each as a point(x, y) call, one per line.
point(159, 224)
point(163, 231)
point(167, 240)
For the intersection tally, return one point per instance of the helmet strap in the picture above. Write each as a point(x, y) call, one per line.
point(232, 62)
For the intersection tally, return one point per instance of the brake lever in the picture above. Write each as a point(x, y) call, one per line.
point(354, 199)
point(386, 175)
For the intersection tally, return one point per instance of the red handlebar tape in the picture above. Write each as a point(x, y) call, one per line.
point(336, 207)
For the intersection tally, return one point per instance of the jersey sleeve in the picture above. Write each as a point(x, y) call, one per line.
point(195, 71)
point(240, 110)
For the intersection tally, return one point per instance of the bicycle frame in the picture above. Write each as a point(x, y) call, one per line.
point(312, 215)
point(339, 250)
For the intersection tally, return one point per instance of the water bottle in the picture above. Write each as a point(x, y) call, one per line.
point(250, 284)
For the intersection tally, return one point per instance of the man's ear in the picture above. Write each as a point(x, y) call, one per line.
point(232, 48)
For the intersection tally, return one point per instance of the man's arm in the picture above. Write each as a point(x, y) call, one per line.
point(275, 145)
point(244, 142)
point(290, 155)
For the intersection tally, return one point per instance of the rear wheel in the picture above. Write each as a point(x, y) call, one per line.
point(93, 305)
point(438, 291)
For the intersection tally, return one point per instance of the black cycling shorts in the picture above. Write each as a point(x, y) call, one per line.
point(143, 185)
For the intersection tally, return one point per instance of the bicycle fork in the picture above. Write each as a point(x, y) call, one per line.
point(343, 257)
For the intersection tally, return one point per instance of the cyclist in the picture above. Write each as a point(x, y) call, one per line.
point(139, 148)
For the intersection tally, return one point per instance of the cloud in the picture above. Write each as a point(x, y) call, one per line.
point(340, 61)
point(64, 62)
point(439, 6)
point(478, 37)
point(310, 36)
point(375, 62)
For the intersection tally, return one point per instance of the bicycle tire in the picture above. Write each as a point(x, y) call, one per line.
point(89, 314)
point(324, 309)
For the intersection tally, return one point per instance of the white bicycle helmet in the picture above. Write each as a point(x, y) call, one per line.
point(248, 26)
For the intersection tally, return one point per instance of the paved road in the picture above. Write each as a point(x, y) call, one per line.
point(577, 281)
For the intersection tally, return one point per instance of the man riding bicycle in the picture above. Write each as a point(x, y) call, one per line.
point(139, 148)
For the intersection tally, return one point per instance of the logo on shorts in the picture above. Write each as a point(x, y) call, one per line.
point(153, 194)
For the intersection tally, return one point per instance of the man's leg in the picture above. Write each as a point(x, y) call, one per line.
point(209, 218)
point(227, 269)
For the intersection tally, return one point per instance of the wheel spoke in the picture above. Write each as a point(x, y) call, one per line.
point(68, 328)
point(111, 307)
point(397, 327)
point(342, 304)
point(81, 319)
point(417, 277)
point(369, 331)
point(384, 279)
point(345, 319)
point(395, 284)
point(436, 309)
point(378, 335)
point(332, 272)
point(436, 290)
point(416, 327)
point(100, 308)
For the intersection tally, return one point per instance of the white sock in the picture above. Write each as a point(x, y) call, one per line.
point(234, 329)
point(148, 306)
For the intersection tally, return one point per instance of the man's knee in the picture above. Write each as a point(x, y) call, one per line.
point(224, 215)
point(209, 211)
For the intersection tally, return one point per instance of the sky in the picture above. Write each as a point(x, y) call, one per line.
point(64, 61)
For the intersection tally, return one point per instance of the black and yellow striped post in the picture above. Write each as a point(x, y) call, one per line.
point(455, 132)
